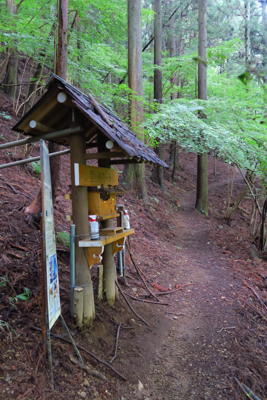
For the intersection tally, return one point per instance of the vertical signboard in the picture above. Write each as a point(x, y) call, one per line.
point(52, 283)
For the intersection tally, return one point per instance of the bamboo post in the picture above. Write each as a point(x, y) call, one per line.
point(108, 259)
point(100, 282)
point(109, 274)
point(80, 220)
point(78, 306)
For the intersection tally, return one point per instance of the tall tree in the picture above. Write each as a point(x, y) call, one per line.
point(135, 81)
point(11, 77)
point(158, 78)
point(61, 70)
point(247, 32)
point(202, 159)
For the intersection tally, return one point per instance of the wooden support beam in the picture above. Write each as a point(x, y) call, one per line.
point(80, 219)
point(63, 98)
point(48, 136)
point(126, 161)
point(105, 155)
point(33, 159)
point(90, 131)
point(40, 127)
point(45, 108)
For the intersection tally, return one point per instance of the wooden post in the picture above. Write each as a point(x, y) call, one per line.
point(100, 281)
point(108, 258)
point(78, 306)
point(80, 220)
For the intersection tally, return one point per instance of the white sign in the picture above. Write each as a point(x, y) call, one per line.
point(52, 285)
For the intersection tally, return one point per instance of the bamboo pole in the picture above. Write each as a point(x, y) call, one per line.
point(100, 282)
point(109, 274)
point(47, 136)
point(33, 159)
point(80, 219)
point(78, 306)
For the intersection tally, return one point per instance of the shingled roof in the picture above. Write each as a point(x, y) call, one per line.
point(57, 115)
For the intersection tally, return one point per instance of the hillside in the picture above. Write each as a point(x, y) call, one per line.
point(208, 331)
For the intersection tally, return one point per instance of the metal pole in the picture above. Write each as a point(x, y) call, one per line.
point(71, 338)
point(28, 160)
point(49, 353)
point(72, 266)
point(47, 136)
point(43, 283)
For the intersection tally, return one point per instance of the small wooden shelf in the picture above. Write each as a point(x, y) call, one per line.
point(96, 247)
point(110, 231)
point(104, 240)
point(110, 216)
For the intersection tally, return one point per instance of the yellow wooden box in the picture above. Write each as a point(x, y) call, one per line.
point(100, 207)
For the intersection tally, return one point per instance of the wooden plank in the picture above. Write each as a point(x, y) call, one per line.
point(104, 240)
point(107, 154)
point(85, 175)
point(128, 161)
point(110, 231)
point(105, 217)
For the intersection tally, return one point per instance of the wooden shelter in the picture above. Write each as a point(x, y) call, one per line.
point(67, 116)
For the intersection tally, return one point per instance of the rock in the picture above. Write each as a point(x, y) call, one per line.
point(140, 386)
point(83, 394)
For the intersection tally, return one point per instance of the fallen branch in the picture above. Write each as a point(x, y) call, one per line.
point(246, 390)
point(139, 273)
point(256, 294)
point(86, 351)
point(227, 327)
point(15, 245)
point(257, 311)
point(125, 298)
point(116, 347)
point(87, 369)
point(145, 301)
point(14, 255)
point(16, 192)
point(172, 291)
point(100, 111)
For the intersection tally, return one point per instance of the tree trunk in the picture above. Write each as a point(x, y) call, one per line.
point(202, 165)
point(264, 36)
point(11, 78)
point(247, 32)
point(158, 79)
point(61, 66)
point(135, 81)
point(61, 70)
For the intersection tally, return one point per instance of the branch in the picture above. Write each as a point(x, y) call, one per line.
point(86, 351)
point(131, 308)
point(139, 273)
point(117, 342)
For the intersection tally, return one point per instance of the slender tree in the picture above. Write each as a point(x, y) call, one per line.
point(158, 78)
point(135, 81)
point(61, 70)
point(202, 159)
point(247, 32)
point(11, 77)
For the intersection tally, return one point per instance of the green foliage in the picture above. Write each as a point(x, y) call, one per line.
point(23, 296)
point(3, 281)
point(6, 326)
point(63, 238)
point(36, 167)
point(4, 115)
point(232, 122)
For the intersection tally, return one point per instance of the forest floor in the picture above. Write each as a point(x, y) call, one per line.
point(210, 330)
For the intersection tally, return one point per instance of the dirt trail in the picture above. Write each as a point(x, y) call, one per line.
point(194, 357)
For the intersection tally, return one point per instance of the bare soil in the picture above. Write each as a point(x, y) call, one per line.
point(212, 329)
